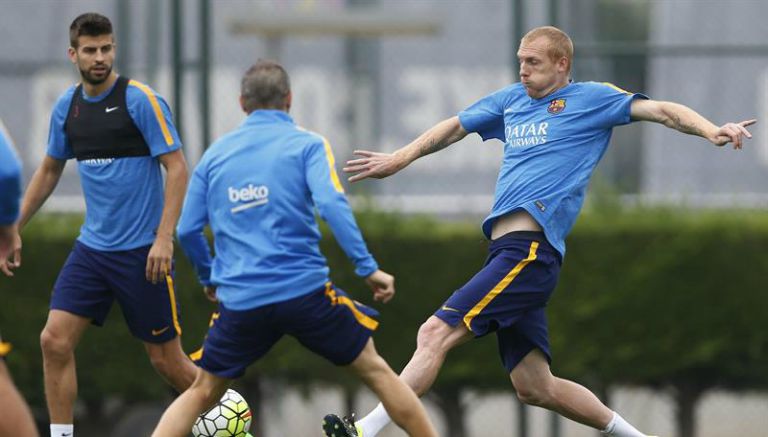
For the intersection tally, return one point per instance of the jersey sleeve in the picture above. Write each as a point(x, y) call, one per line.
point(486, 116)
point(192, 222)
point(330, 201)
point(58, 145)
point(152, 116)
point(10, 180)
point(613, 104)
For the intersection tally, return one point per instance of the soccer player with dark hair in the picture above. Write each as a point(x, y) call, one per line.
point(120, 132)
point(257, 188)
point(555, 132)
point(16, 419)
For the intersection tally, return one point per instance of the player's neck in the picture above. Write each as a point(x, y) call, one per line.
point(555, 88)
point(93, 90)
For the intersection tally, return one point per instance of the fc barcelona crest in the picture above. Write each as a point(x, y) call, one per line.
point(556, 106)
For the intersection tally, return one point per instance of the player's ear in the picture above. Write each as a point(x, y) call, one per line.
point(72, 54)
point(288, 101)
point(242, 104)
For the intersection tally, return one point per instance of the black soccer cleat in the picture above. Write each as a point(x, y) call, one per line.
point(335, 426)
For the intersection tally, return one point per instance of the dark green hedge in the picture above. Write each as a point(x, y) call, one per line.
point(649, 298)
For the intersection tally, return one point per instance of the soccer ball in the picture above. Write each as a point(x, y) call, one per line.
point(231, 417)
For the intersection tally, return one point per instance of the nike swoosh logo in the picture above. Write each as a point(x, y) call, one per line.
point(445, 308)
point(157, 332)
point(111, 109)
point(66, 435)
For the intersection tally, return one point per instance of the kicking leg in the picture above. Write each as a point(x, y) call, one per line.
point(434, 340)
point(398, 399)
point(172, 363)
point(204, 392)
point(58, 340)
point(535, 385)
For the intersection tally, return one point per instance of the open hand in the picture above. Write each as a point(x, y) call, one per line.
point(373, 165)
point(732, 133)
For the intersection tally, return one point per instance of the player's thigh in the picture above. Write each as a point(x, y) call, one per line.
point(151, 310)
point(517, 342)
point(82, 287)
point(330, 324)
point(236, 339)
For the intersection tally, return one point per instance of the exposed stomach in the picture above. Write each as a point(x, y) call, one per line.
point(518, 220)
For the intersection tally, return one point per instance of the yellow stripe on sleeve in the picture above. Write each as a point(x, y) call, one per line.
point(172, 295)
point(332, 165)
point(616, 88)
point(501, 285)
point(156, 107)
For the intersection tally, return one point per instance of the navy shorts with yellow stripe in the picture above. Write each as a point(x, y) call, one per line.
point(325, 321)
point(91, 280)
point(509, 296)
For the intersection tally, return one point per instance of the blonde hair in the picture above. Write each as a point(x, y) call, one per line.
point(560, 44)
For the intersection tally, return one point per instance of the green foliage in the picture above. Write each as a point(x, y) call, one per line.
point(645, 297)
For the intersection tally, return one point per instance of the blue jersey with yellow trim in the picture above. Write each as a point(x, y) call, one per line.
point(123, 196)
point(552, 145)
point(258, 188)
point(10, 180)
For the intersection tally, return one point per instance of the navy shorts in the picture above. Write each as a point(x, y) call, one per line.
point(509, 295)
point(325, 321)
point(92, 279)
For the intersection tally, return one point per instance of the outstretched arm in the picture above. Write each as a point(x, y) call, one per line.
point(688, 121)
point(380, 165)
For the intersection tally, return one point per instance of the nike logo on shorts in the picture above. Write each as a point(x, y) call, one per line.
point(108, 110)
point(445, 308)
point(157, 332)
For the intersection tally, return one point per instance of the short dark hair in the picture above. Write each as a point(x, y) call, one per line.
point(89, 24)
point(265, 86)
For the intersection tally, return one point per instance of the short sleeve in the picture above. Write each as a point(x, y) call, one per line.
point(152, 116)
point(486, 116)
point(10, 180)
point(58, 145)
point(612, 104)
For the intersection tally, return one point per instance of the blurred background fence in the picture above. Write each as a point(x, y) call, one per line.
point(374, 74)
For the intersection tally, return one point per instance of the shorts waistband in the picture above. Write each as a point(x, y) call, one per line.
point(522, 235)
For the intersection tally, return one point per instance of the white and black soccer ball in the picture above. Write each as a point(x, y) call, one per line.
point(231, 417)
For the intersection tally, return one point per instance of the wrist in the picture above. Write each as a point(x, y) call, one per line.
point(164, 237)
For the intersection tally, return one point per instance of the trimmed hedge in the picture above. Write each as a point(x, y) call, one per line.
point(648, 298)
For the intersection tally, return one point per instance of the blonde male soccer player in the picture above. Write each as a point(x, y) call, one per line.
point(555, 132)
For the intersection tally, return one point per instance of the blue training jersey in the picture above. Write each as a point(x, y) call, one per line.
point(258, 188)
point(551, 147)
point(123, 196)
point(10, 180)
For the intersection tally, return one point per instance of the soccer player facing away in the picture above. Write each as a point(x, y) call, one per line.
point(257, 188)
point(120, 132)
point(16, 419)
point(555, 131)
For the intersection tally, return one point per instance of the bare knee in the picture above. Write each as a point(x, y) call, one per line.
point(54, 346)
point(536, 393)
point(433, 335)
